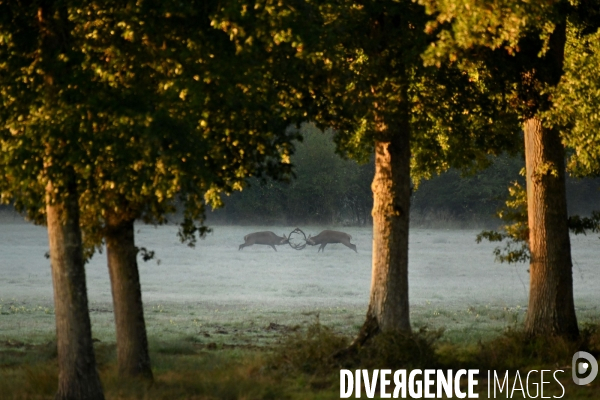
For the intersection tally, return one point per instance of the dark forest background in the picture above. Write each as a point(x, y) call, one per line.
point(329, 190)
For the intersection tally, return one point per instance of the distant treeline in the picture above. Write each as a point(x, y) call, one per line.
point(475, 199)
point(329, 190)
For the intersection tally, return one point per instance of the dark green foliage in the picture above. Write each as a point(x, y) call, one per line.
point(299, 369)
point(402, 350)
point(515, 350)
point(577, 97)
point(515, 232)
point(309, 352)
point(330, 190)
point(579, 224)
point(312, 352)
point(317, 351)
point(466, 195)
point(482, 195)
point(327, 189)
point(357, 68)
point(148, 103)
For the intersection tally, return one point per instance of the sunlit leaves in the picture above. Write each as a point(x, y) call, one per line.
point(515, 234)
point(576, 102)
point(361, 68)
point(145, 101)
point(497, 24)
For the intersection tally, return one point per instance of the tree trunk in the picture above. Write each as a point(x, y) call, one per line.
point(388, 306)
point(551, 308)
point(132, 342)
point(77, 378)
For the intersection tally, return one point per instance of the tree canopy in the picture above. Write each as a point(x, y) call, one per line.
point(525, 46)
point(112, 111)
point(148, 103)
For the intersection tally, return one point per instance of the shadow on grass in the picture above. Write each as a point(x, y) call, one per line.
point(302, 367)
point(513, 350)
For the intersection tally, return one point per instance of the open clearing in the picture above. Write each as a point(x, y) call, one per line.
point(220, 294)
point(214, 313)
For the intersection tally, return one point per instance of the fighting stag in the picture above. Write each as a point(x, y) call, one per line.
point(267, 238)
point(326, 237)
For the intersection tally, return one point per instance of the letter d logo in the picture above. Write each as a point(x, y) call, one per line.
point(583, 367)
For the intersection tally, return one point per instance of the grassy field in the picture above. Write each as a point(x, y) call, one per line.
point(260, 324)
point(280, 354)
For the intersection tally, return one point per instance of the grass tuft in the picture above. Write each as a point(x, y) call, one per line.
point(402, 350)
point(515, 350)
point(309, 352)
point(302, 367)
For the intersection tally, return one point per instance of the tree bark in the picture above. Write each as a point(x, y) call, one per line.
point(551, 307)
point(132, 343)
point(77, 378)
point(388, 305)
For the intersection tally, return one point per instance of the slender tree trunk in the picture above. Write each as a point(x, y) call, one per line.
point(132, 342)
point(77, 378)
point(551, 308)
point(388, 306)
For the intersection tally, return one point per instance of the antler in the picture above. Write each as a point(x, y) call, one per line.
point(297, 246)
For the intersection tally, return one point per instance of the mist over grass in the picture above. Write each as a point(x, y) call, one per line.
point(218, 319)
point(454, 282)
point(251, 360)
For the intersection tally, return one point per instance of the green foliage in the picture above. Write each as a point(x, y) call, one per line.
point(369, 86)
point(458, 122)
point(372, 85)
point(544, 67)
point(343, 190)
point(525, 57)
point(576, 101)
point(503, 37)
point(29, 371)
point(500, 24)
point(402, 350)
point(467, 195)
point(145, 103)
point(327, 189)
point(516, 230)
point(514, 350)
point(581, 225)
point(309, 352)
point(316, 351)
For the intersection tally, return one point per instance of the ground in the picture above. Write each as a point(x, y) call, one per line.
point(216, 296)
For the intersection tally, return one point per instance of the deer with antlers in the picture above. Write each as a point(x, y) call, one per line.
point(267, 238)
point(326, 237)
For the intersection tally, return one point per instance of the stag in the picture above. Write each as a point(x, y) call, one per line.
point(326, 237)
point(268, 238)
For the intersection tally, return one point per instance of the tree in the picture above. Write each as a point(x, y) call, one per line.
point(326, 189)
point(527, 53)
point(155, 107)
point(210, 131)
point(471, 197)
point(575, 100)
point(176, 128)
point(360, 66)
point(37, 59)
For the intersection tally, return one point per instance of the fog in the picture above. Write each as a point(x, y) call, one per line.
point(447, 268)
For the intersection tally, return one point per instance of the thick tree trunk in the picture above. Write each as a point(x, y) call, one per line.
point(388, 306)
point(77, 378)
point(551, 308)
point(132, 342)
